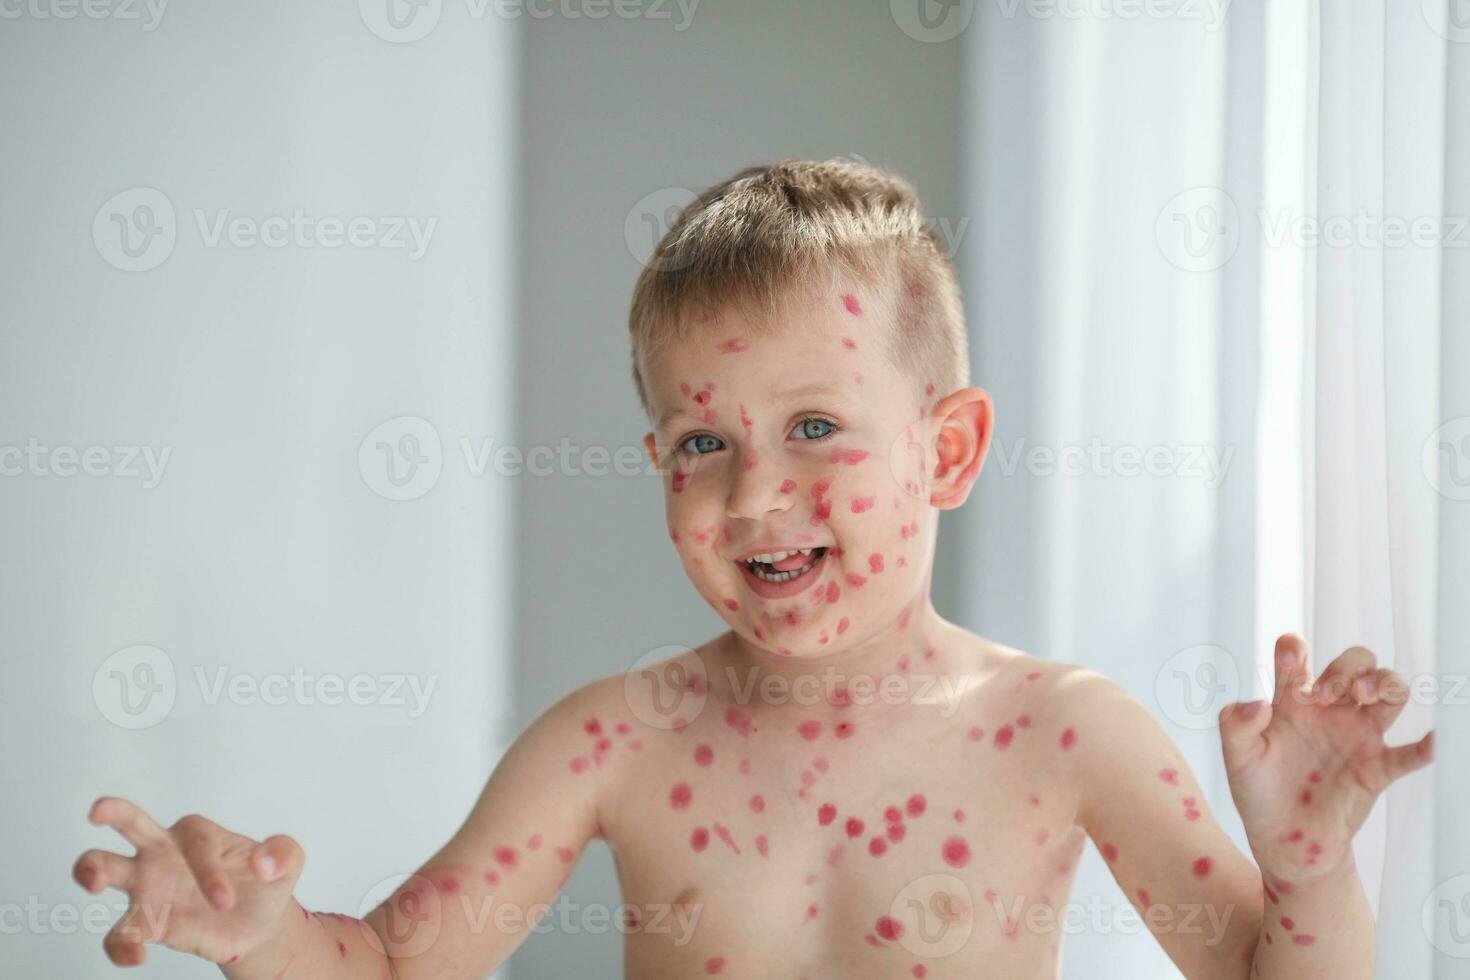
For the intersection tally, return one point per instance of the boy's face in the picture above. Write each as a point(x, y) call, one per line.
point(797, 442)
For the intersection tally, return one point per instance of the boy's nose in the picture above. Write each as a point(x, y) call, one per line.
point(756, 492)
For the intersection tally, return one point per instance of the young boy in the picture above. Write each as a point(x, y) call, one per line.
point(843, 784)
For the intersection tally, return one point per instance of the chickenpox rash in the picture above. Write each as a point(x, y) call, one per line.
point(679, 480)
point(723, 833)
point(1110, 852)
point(875, 563)
point(732, 605)
point(826, 813)
point(739, 720)
point(703, 755)
point(732, 346)
point(762, 845)
point(861, 505)
point(853, 306)
point(787, 486)
point(956, 852)
point(681, 796)
point(1170, 776)
point(699, 839)
point(1068, 739)
point(1202, 867)
point(1003, 736)
point(848, 457)
point(849, 343)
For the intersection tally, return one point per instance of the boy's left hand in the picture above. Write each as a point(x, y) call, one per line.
point(1306, 769)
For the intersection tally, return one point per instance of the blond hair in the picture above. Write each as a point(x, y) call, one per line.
point(772, 234)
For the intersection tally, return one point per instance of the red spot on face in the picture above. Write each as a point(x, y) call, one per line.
point(826, 813)
point(1110, 852)
point(850, 301)
point(1069, 738)
point(699, 840)
point(1302, 939)
point(1286, 923)
point(877, 846)
point(863, 504)
point(875, 563)
point(732, 605)
point(834, 591)
point(703, 755)
point(739, 720)
point(680, 478)
point(888, 928)
point(848, 457)
point(1143, 898)
point(854, 827)
point(1003, 736)
point(680, 796)
point(956, 852)
point(1202, 866)
point(733, 346)
point(810, 730)
point(787, 486)
point(855, 580)
point(916, 805)
point(842, 626)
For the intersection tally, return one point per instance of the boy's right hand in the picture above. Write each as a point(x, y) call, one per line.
point(195, 887)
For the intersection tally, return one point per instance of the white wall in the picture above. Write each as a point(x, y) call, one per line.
point(263, 548)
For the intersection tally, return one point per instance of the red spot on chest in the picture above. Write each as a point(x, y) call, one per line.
point(703, 755)
point(916, 805)
point(681, 796)
point(699, 840)
point(888, 928)
point(1202, 867)
point(826, 813)
point(1069, 738)
point(875, 563)
point(788, 485)
point(810, 730)
point(956, 852)
point(1003, 736)
point(739, 720)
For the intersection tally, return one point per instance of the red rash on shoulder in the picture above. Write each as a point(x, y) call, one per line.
point(1003, 736)
point(956, 852)
point(681, 796)
point(850, 301)
point(1203, 866)
point(703, 755)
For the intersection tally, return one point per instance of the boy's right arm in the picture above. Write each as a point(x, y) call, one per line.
point(461, 915)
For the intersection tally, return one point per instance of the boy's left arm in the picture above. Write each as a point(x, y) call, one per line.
point(1304, 771)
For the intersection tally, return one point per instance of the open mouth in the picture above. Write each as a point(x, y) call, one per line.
point(783, 566)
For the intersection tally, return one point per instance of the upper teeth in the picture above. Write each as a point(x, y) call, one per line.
point(770, 558)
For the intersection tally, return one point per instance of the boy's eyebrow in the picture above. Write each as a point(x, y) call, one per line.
point(789, 394)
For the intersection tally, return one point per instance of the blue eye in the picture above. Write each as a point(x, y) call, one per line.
point(701, 443)
point(813, 428)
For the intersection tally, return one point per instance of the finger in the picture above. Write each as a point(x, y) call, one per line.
point(1390, 694)
point(124, 941)
point(127, 818)
point(1293, 668)
point(200, 841)
point(96, 870)
point(1241, 726)
point(1400, 760)
point(1336, 682)
point(277, 857)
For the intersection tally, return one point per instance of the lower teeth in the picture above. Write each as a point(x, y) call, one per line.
point(774, 576)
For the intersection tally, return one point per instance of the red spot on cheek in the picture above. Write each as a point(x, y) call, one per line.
point(1069, 738)
point(888, 928)
point(680, 796)
point(850, 301)
point(855, 580)
point(826, 813)
point(956, 852)
point(680, 478)
point(1203, 866)
point(704, 755)
point(875, 563)
point(850, 457)
point(834, 591)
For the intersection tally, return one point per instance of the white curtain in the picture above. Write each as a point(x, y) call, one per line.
point(1147, 283)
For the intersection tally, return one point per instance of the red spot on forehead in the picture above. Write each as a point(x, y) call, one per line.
point(732, 346)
